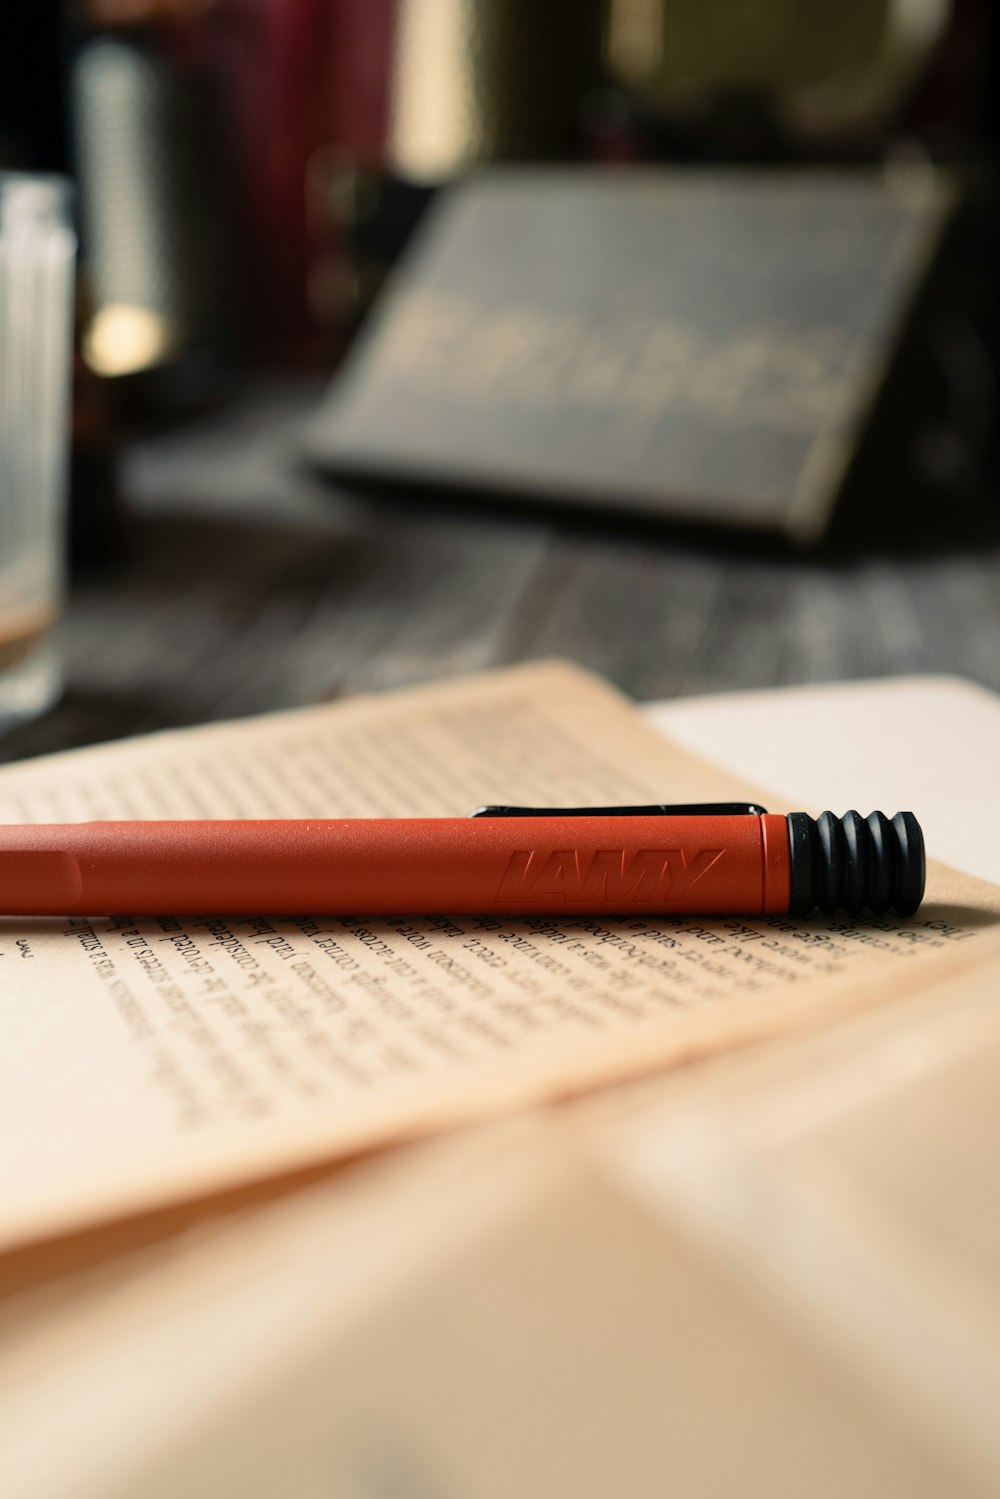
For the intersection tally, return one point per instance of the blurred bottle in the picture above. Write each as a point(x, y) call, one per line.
point(155, 201)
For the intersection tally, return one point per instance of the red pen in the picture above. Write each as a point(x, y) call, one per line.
point(712, 859)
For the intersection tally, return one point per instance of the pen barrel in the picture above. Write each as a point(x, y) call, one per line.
point(400, 866)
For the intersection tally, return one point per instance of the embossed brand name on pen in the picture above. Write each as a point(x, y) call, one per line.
point(608, 874)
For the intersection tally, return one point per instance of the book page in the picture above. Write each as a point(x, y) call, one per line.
point(144, 1062)
point(874, 1148)
point(931, 743)
point(502, 1319)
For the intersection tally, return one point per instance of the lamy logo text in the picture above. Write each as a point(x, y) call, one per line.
point(606, 875)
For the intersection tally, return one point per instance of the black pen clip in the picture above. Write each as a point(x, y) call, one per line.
point(658, 809)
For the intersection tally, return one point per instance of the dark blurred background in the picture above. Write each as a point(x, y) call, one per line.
point(249, 173)
point(250, 169)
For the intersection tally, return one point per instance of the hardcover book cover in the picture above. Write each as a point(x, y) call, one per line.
point(697, 345)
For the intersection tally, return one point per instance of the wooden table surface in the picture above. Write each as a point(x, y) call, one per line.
point(250, 586)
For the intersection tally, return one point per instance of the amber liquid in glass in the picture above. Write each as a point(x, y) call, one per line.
point(22, 633)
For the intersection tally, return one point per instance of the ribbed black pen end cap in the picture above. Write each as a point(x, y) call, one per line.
point(855, 863)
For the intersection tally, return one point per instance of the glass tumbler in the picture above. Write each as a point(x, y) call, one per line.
point(37, 254)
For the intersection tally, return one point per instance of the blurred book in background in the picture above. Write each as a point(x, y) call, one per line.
point(717, 348)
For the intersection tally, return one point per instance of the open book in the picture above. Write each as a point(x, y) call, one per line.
point(149, 1062)
point(432, 1313)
